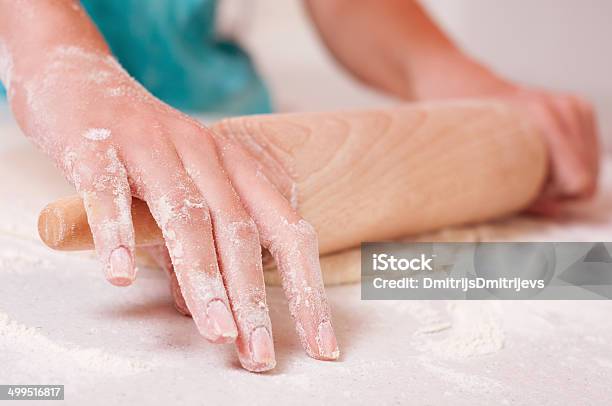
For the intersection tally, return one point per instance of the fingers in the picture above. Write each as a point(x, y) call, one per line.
point(238, 249)
point(591, 141)
point(162, 258)
point(101, 180)
point(571, 146)
point(568, 123)
point(293, 243)
point(575, 118)
point(183, 216)
point(563, 161)
point(265, 155)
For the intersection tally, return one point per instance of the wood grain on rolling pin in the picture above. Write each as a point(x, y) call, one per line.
point(62, 225)
point(372, 175)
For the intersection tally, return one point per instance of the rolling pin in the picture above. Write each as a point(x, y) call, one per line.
point(62, 225)
point(371, 175)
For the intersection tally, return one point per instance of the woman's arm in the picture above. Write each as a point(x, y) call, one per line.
point(31, 30)
point(395, 46)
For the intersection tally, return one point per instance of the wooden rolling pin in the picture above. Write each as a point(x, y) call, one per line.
point(62, 225)
point(371, 175)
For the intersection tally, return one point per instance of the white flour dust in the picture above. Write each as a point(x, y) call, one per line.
point(473, 328)
point(97, 134)
point(462, 381)
point(455, 329)
point(27, 346)
point(16, 261)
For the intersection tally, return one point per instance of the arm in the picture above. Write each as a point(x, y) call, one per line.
point(29, 30)
point(114, 140)
point(395, 46)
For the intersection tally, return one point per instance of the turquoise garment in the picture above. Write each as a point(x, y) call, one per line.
point(170, 47)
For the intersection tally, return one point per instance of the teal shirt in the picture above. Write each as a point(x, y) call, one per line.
point(170, 47)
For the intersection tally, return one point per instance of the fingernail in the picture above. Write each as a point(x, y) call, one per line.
point(326, 340)
point(262, 348)
point(221, 321)
point(121, 271)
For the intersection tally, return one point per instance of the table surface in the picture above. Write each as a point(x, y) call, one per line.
point(61, 323)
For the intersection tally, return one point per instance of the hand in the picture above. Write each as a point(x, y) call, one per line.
point(114, 140)
point(568, 125)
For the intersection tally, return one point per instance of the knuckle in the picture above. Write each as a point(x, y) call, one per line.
point(191, 129)
point(180, 209)
point(93, 168)
point(300, 234)
point(253, 307)
point(198, 130)
point(306, 233)
point(222, 127)
point(241, 230)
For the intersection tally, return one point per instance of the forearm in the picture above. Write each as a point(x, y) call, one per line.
point(395, 46)
point(31, 32)
point(50, 50)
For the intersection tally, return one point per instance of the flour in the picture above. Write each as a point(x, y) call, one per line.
point(295, 249)
point(90, 73)
point(473, 329)
point(111, 230)
point(31, 346)
point(99, 76)
point(65, 51)
point(115, 92)
point(433, 328)
point(97, 134)
point(461, 381)
point(294, 196)
point(14, 261)
point(455, 330)
point(6, 65)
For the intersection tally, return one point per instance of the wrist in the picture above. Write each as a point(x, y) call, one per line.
point(59, 83)
point(450, 74)
point(32, 31)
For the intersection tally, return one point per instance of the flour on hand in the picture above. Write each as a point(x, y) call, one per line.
point(97, 134)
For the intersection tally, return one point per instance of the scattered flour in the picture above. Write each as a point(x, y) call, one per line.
point(463, 329)
point(99, 76)
point(115, 91)
point(462, 381)
point(474, 329)
point(28, 347)
point(15, 261)
point(97, 134)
